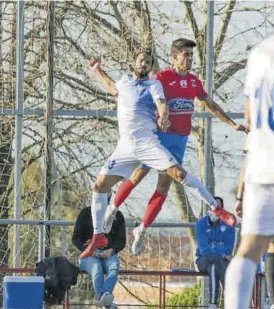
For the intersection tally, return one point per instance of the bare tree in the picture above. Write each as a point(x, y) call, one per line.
point(115, 31)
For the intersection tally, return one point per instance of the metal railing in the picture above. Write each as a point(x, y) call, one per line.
point(41, 224)
point(258, 295)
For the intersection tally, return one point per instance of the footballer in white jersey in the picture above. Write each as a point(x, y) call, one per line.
point(259, 178)
point(137, 128)
point(258, 203)
point(136, 105)
point(259, 89)
point(138, 99)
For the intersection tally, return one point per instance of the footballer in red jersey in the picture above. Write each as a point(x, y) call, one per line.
point(180, 92)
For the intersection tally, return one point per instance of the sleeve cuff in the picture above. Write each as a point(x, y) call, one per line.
point(161, 98)
point(203, 97)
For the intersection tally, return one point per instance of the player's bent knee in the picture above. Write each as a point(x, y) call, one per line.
point(96, 187)
point(177, 173)
point(101, 185)
point(180, 173)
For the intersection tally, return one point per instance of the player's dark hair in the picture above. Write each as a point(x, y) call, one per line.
point(221, 200)
point(178, 45)
point(145, 51)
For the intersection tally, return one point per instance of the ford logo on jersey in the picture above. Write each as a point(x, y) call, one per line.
point(181, 104)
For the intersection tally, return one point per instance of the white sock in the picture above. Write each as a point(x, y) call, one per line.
point(112, 207)
point(239, 282)
point(98, 209)
point(193, 181)
point(142, 227)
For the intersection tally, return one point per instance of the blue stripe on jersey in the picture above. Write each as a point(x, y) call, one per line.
point(144, 100)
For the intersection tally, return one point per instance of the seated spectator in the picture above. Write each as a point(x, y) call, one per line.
point(103, 266)
point(215, 241)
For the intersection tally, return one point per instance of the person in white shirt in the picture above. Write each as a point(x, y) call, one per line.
point(258, 203)
point(138, 100)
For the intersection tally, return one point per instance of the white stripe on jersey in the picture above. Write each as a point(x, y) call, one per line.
point(136, 104)
point(259, 88)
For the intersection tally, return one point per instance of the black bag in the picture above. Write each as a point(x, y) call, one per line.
point(59, 276)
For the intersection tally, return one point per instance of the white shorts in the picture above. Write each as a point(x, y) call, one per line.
point(129, 151)
point(258, 209)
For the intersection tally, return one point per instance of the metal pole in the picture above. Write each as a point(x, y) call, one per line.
point(208, 123)
point(160, 292)
point(41, 237)
point(164, 291)
point(209, 73)
point(49, 122)
point(18, 128)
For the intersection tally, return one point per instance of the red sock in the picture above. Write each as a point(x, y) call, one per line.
point(123, 192)
point(153, 208)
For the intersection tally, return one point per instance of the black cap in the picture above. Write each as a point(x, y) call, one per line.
point(221, 200)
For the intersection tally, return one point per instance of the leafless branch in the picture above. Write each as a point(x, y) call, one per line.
point(223, 29)
point(223, 76)
point(194, 28)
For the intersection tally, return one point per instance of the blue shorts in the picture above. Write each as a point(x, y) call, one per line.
point(174, 143)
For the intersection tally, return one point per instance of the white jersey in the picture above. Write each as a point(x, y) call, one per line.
point(259, 88)
point(136, 104)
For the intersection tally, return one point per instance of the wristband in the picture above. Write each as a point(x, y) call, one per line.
point(239, 199)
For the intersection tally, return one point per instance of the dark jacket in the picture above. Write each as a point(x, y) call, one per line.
point(83, 231)
point(59, 276)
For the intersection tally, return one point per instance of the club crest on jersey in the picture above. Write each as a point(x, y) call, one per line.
point(183, 83)
point(223, 228)
point(193, 83)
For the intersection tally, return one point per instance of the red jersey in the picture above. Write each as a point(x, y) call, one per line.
point(180, 92)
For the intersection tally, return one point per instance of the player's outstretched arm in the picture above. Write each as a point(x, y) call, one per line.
point(108, 83)
point(218, 112)
point(163, 112)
